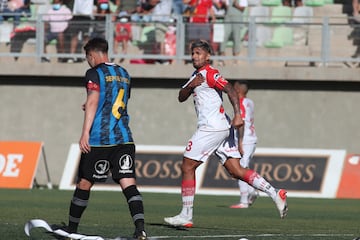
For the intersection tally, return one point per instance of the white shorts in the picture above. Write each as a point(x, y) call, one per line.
point(203, 143)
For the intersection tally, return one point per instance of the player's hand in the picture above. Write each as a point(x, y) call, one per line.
point(197, 81)
point(237, 121)
point(241, 150)
point(84, 143)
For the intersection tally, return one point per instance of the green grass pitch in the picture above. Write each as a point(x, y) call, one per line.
point(107, 215)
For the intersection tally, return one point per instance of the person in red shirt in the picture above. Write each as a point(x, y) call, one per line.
point(199, 26)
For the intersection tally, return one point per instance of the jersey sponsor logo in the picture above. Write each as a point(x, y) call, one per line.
point(126, 162)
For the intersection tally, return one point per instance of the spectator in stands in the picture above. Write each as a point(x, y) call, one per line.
point(99, 23)
point(233, 26)
point(143, 9)
point(15, 9)
point(178, 7)
point(352, 10)
point(161, 16)
point(292, 3)
point(220, 8)
point(3, 6)
point(200, 12)
point(126, 7)
point(356, 10)
point(79, 24)
point(56, 21)
point(123, 35)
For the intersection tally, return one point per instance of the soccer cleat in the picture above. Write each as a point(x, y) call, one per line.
point(140, 235)
point(179, 220)
point(252, 197)
point(281, 203)
point(239, 205)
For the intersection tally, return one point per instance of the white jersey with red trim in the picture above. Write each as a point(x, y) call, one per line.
point(208, 100)
point(247, 114)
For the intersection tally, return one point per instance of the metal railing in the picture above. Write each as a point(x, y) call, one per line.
point(319, 40)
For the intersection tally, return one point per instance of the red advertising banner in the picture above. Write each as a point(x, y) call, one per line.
point(18, 163)
point(350, 179)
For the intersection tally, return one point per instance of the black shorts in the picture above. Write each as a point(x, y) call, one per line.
point(79, 24)
point(118, 159)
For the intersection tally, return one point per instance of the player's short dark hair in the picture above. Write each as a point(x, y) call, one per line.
point(97, 44)
point(201, 44)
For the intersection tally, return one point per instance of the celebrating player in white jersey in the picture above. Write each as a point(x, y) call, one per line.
point(247, 144)
point(213, 134)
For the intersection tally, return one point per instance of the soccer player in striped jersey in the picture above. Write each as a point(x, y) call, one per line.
point(106, 141)
point(213, 135)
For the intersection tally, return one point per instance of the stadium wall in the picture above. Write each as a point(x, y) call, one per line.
point(294, 107)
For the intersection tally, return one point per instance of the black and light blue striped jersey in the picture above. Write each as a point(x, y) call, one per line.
point(111, 122)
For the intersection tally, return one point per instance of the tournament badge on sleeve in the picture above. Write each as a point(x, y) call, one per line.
point(58, 233)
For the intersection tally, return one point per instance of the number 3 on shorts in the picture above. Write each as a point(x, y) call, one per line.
point(188, 147)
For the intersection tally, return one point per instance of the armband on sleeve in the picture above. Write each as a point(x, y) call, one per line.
point(92, 86)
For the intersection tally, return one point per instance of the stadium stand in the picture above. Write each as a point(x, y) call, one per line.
point(282, 36)
point(280, 14)
point(314, 3)
point(271, 3)
point(259, 13)
point(308, 25)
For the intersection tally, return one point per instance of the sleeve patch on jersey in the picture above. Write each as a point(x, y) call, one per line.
point(92, 86)
point(220, 82)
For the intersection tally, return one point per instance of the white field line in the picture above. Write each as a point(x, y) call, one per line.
point(300, 236)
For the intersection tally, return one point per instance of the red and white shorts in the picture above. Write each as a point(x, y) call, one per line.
point(203, 143)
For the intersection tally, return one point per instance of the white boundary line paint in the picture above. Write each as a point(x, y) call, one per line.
point(39, 223)
point(269, 235)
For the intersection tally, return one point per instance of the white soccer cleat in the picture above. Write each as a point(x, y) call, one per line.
point(239, 205)
point(178, 221)
point(281, 203)
point(252, 197)
point(140, 235)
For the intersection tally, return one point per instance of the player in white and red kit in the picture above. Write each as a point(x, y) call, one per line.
point(213, 135)
point(247, 144)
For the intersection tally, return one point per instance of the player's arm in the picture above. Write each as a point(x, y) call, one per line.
point(90, 107)
point(188, 88)
point(233, 97)
point(90, 110)
point(240, 139)
point(185, 93)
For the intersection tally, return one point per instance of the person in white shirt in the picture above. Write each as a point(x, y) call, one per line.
point(161, 16)
point(80, 23)
point(246, 144)
point(213, 134)
point(56, 19)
